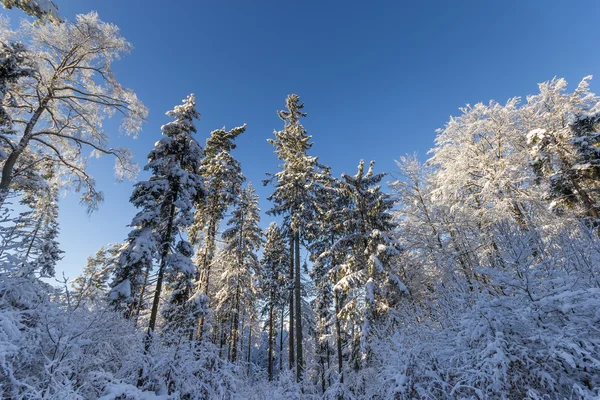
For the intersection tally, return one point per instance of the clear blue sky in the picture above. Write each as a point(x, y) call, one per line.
point(377, 77)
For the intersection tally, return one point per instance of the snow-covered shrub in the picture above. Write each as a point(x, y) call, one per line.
point(531, 330)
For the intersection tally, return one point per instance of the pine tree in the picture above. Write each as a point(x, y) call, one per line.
point(33, 240)
point(184, 307)
point(370, 270)
point(274, 283)
point(325, 230)
point(44, 10)
point(242, 240)
point(166, 201)
point(92, 285)
point(43, 247)
point(293, 198)
point(223, 180)
point(15, 64)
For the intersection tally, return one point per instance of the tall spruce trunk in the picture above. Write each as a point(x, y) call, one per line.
point(270, 352)
point(209, 253)
point(322, 361)
point(142, 294)
point(161, 270)
point(236, 319)
point(338, 336)
point(249, 345)
point(298, 299)
point(291, 316)
point(281, 340)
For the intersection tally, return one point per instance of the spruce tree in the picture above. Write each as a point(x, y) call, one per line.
point(293, 198)
point(242, 240)
point(275, 262)
point(370, 270)
point(92, 285)
point(30, 240)
point(166, 201)
point(223, 179)
point(40, 247)
point(325, 230)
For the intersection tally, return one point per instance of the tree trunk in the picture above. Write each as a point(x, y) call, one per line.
point(236, 321)
point(142, 293)
point(291, 316)
point(161, 270)
point(222, 341)
point(298, 299)
point(33, 237)
point(9, 164)
point(249, 345)
point(229, 346)
point(338, 336)
point(208, 254)
point(281, 340)
point(270, 351)
point(328, 361)
point(322, 360)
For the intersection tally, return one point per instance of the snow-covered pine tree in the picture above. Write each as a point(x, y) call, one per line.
point(44, 10)
point(15, 63)
point(370, 273)
point(273, 284)
point(135, 264)
point(242, 240)
point(166, 202)
point(223, 179)
point(31, 239)
point(324, 230)
point(43, 247)
point(293, 198)
point(92, 285)
point(185, 306)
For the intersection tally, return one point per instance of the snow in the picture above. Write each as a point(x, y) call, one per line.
point(117, 391)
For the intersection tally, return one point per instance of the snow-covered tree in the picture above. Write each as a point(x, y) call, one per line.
point(57, 113)
point(223, 179)
point(324, 231)
point(132, 270)
point(563, 139)
point(166, 202)
point(92, 285)
point(425, 228)
point(15, 63)
point(242, 240)
point(370, 274)
point(30, 240)
point(184, 306)
point(274, 285)
point(293, 198)
point(44, 10)
point(481, 163)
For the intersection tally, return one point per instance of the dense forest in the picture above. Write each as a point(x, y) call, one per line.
point(472, 275)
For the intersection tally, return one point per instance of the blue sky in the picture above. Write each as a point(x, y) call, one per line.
point(377, 77)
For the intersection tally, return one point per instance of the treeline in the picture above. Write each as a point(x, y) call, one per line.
point(475, 275)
